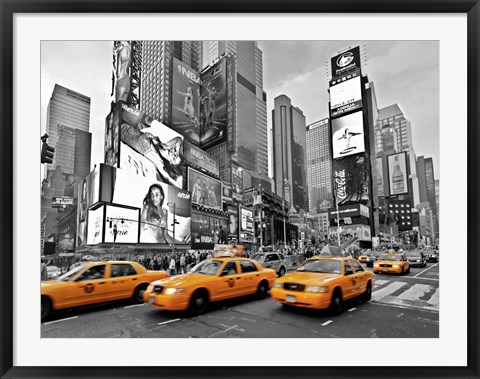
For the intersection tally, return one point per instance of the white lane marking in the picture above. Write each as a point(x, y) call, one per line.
point(391, 288)
point(400, 315)
point(327, 322)
point(415, 292)
point(247, 319)
point(233, 327)
point(379, 282)
point(421, 272)
point(408, 307)
point(135, 305)
point(169, 321)
point(434, 300)
point(63, 319)
point(351, 309)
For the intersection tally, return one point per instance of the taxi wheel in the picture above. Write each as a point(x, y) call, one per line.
point(336, 305)
point(367, 295)
point(281, 272)
point(198, 302)
point(46, 307)
point(262, 290)
point(138, 294)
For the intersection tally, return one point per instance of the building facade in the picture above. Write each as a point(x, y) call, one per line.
point(319, 166)
point(289, 153)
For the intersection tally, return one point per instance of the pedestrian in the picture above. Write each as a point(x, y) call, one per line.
point(172, 266)
point(43, 271)
point(182, 264)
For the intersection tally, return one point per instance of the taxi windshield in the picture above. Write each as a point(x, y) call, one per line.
point(258, 257)
point(322, 266)
point(207, 267)
point(66, 277)
point(389, 258)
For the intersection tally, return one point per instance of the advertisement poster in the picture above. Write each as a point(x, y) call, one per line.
point(82, 210)
point(95, 226)
point(346, 62)
point(345, 96)
point(246, 225)
point(227, 192)
point(205, 190)
point(348, 135)
point(350, 177)
point(232, 223)
point(66, 242)
point(126, 221)
point(197, 156)
point(213, 106)
point(155, 142)
point(112, 136)
point(231, 102)
point(397, 174)
point(158, 203)
point(205, 230)
point(379, 168)
point(237, 181)
point(186, 101)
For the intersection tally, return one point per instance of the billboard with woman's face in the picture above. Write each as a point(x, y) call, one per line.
point(205, 190)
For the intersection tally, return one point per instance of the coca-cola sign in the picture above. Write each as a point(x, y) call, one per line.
point(350, 179)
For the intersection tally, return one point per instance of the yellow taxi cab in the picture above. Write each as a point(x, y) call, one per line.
point(213, 279)
point(324, 282)
point(363, 258)
point(97, 282)
point(392, 262)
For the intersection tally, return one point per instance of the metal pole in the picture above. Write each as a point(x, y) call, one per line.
point(284, 227)
point(338, 223)
point(174, 219)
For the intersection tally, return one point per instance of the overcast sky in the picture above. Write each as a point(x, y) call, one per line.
point(404, 72)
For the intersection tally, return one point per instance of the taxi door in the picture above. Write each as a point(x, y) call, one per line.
point(349, 282)
point(123, 280)
point(89, 287)
point(361, 277)
point(250, 277)
point(228, 283)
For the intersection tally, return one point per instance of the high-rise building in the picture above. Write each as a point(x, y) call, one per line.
point(251, 145)
point(428, 187)
point(319, 166)
point(289, 152)
point(393, 134)
point(68, 117)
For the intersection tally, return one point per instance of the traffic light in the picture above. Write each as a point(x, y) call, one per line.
point(47, 153)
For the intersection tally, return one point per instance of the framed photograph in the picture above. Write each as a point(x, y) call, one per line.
point(313, 105)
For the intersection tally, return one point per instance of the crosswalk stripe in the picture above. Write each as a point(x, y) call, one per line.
point(415, 292)
point(379, 282)
point(434, 300)
point(391, 288)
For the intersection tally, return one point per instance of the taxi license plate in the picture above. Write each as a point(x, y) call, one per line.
point(290, 299)
point(385, 269)
point(151, 299)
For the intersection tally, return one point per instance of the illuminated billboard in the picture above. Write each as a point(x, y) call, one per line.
point(205, 190)
point(95, 226)
point(112, 136)
point(397, 173)
point(346, 62)
point(157, 203)
point(231, 102)
point(121, 75)
point(151, 144)
point(246, 224)
point(350, 179)
point(66, 242)
point(205, 230)
point(213, 105)
point(200, 158)
point(126, 222)
point(237, 181)
point(88, 194)
point(232, 223)
point(379, 168)
point(185, 105)
point(345, 96)
point(348, 135)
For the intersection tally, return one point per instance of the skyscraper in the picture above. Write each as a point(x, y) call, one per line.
point(68, 123)
point(289, 152)
point(319, 166)
point(251, 146)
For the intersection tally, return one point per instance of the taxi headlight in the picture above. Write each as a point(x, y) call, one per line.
point(150, 288)
point(376, 264)
point(277, 285)
point(175, 291)
point(316, 289)
point(419, 260)
point(396, 266)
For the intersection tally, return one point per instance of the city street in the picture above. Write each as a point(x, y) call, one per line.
point(401, 307)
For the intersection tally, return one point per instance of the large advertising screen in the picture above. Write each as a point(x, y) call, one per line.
point(237, 181)
point(152, 143)
point(95, 226)
point(66, 242)
point(121, 75)
point(347, 135)
point(186, 101)
point(126, 222)
point(205, 230)
point(200, 158)
point(397, 174)
point(231, 102)
point(345, 97)
point(88, 194)
point(246, 224)
point(213, 106)
point(232, 223)
point(205, 190)
point(157, 202)
point(350, 179)
point(346, 62)
point(112, 136)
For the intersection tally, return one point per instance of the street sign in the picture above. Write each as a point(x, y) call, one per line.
point(62, 202)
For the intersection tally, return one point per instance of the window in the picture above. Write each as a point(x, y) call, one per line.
point(247, 266)
point(229, 269)
point(95, 272)
point(122, 270)
point(356, 266)
point(348, 268)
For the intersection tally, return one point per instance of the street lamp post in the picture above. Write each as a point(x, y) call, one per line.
point(115, 231)
point(173, 224)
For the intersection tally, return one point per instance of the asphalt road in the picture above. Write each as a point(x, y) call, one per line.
point(401, 307)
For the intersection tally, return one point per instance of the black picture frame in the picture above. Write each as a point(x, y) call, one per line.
point(9, 8)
